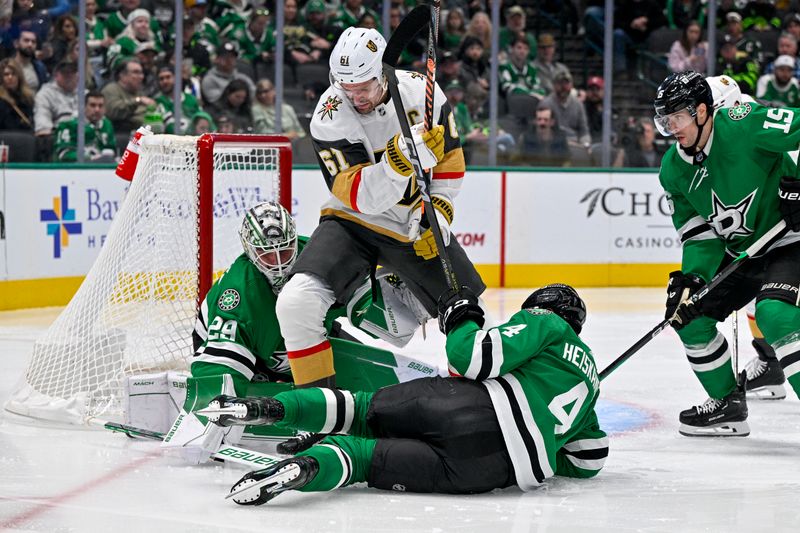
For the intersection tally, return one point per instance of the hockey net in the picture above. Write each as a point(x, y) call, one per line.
point(135, 311)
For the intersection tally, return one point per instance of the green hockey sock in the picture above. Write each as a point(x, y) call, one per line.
point(343, 460)
point(709, 356)
point(779, 322)
point(325, 410)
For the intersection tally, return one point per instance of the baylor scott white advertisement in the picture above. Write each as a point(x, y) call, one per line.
point(57, 220)
point(585, 218)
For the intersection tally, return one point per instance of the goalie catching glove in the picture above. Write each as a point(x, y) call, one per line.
point(680, 309)
point(429, 145)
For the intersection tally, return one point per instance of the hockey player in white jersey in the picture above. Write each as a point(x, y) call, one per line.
point(765, 377)
point(374, 214)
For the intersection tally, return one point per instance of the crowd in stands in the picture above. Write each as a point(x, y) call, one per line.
point(550, 115)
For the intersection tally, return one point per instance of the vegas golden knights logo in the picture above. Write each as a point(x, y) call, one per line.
point(372, 47)
point(344, 61)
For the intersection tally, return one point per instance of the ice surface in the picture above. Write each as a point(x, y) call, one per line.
point(66, 480)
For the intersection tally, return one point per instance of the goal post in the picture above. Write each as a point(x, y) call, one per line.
point(134, 313)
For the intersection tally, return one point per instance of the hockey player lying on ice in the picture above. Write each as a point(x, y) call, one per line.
point(237, 340)
point(521, 409)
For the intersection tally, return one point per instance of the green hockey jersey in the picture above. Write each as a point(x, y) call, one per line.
point(731, 199)
point(543, 383)
point(769, 92)
point(98, 137)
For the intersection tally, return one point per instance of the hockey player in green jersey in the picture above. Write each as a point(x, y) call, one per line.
point(765, 377)
point(519, 409)
point(729, 180)
point(237, 339)
point(237, 331)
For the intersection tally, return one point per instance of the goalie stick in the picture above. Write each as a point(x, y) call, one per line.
point(417, 19)
point(226, 452)
point(768, 238)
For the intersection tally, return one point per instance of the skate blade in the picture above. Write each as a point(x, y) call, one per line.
point(768, 392)
point(726, 429)
point(278, 479)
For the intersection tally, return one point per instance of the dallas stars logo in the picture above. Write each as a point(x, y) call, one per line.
point(740, 111)
point(228, 300)
point(730, 221)
point(331, 104)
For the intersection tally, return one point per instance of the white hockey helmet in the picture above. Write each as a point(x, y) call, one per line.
point(724, 91)
point(269, 239)
point(357, 56)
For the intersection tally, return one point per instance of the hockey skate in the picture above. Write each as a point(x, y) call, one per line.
point(232, 411)
point(300, 443)
point(718, 418)
point(260, 486)
point(765, 376)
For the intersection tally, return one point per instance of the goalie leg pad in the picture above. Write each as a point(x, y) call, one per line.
point(386, 310)
point(152, 401)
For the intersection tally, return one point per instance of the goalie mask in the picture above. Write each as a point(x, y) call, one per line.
point(561, 299)
point(269, 239)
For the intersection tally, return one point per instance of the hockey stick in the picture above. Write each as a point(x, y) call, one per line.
point(226, 452)
point(768, 238)
point(417, 19)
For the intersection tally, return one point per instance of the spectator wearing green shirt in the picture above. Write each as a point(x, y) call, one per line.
point(453, 30)
point(166, 105)
point(518, 74)
point(100, 144)
point(515, 26)
point(256, 43)
point(781, 88)
point(136, 33)
point(350, 11)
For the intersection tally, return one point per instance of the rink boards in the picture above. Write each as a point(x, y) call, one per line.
point(521, 229)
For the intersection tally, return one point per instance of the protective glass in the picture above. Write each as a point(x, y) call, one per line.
point(669, 124)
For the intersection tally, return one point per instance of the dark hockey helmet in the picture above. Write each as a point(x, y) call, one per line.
point(561, 299)
point(681, 90)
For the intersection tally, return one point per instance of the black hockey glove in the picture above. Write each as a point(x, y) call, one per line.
point(457, 306)
point(789, 201)
point(680, 289)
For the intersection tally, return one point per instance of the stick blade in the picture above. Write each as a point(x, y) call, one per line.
point(416, 20)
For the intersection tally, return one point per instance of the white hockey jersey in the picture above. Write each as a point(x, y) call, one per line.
point(349, 148)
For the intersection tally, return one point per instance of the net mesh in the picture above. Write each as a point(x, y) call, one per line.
point(135, 310)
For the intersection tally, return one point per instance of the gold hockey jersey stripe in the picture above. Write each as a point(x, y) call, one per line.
point(452, 166)
point(345, 185)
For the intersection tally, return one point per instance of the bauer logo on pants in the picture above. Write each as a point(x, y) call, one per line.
point(228, 300)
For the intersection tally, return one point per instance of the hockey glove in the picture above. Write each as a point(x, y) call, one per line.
point(681, 287)
point(430, 148)
point(457, 306)
point(789, 201)
point(420, 232)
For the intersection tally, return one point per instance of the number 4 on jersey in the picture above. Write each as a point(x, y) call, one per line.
point(510, 331)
